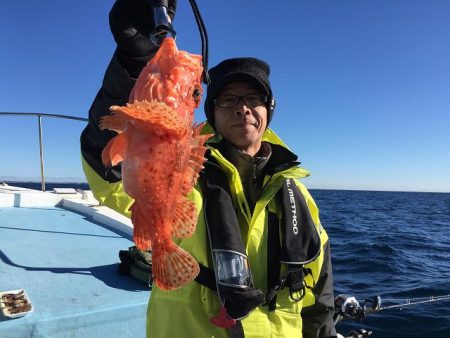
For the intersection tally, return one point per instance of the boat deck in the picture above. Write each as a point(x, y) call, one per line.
point(63, 251)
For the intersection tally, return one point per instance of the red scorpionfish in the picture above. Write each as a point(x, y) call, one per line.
point(162, 153)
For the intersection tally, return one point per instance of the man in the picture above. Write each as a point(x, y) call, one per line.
point(264, 256)
point(254, 164)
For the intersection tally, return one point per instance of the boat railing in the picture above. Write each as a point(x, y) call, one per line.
point(41, 145)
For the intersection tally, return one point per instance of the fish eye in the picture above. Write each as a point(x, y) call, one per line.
point(197, 95)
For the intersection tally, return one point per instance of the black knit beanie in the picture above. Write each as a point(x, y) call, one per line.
point(251, 70)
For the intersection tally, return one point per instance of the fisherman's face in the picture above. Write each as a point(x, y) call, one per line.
point(241, 125)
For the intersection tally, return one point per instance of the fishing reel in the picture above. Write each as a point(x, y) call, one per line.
point(347, 307)
point(361, 333)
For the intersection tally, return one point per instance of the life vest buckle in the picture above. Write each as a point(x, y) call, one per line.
point(272, 293)
point(295, 279)
point(296, 282)
point(297, 298)
point(297, 276)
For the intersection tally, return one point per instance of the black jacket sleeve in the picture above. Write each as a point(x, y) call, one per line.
point(318, 318)
point(131, 22)
point(115, 90)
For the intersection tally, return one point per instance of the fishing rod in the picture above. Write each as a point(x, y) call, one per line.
point(414, 301)
point(347, 307)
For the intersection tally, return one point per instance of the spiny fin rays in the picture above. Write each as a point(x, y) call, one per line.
point(154, 115)
point(196, 159)
point(174, 269)
point(185, 219)
point(141, 233)
point(115, 150)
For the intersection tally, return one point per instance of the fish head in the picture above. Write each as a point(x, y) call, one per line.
point(173, 77)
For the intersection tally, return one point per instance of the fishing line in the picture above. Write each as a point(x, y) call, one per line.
point(204, 37)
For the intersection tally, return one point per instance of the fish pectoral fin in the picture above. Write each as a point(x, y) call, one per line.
point(154, 115)
point(185, 219)
point(141, 229)
point(113, 121)
point(115, 150)
point(173, 267)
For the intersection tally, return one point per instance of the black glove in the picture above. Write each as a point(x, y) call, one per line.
point(240, 302)
point(131, 22)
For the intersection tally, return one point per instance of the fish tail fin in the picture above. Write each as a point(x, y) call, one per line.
point(173, 267)
point(141, 233)
point(185, 219)
point(115, 150)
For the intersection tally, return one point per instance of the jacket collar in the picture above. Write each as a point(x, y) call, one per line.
point(281, 158)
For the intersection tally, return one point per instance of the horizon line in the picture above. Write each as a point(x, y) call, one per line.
point(73, 180)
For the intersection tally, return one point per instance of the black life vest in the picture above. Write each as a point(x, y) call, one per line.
point(299, 244)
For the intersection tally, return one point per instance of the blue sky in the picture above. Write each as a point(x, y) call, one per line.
point(362, 86)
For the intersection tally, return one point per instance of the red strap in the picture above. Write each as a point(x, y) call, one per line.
point(223, 320)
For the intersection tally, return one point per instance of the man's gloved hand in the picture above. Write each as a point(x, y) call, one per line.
point(131, 22)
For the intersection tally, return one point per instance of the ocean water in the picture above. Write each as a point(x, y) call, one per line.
point(395, 245)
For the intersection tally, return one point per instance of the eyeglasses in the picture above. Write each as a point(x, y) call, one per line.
point(231, 101)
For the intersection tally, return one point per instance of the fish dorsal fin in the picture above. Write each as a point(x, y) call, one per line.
point(196, 159)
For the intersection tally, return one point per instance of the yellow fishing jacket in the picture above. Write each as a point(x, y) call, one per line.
point(186, 312)
point(192, 306)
